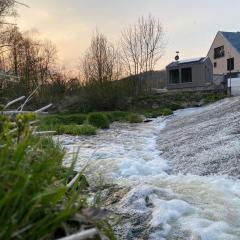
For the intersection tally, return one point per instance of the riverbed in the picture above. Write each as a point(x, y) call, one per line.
point(161, 203)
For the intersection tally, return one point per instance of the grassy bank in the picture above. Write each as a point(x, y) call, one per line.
point(85, 124)
point(36, 201)
point(150, 106)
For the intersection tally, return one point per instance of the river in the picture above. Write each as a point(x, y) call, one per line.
point(172, 206)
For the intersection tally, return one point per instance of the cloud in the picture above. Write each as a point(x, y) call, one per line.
point(190, 25)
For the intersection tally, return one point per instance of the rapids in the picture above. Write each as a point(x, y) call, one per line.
point(177, 206)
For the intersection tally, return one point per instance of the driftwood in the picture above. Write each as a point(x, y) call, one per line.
point(14, 101)
point(70, 185)
point(44, 133)
point(90, 233)
point(19, 112)
point(43, 108)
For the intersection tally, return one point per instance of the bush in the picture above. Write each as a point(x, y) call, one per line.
point(166, 111)
point(51, 120)
point(99, 120)
point(74, 119)
point(134, 118)
point(76, 130)
point(109, 116)
point(119, 116)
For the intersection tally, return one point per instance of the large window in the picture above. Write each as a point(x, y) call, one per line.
point(230, 64)
point(174, 76)
point(186, 75)
point(219, 52)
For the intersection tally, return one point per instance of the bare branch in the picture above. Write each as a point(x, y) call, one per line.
point(90, 233)
point(14, 101)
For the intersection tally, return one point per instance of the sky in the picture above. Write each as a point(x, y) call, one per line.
point(190, 26)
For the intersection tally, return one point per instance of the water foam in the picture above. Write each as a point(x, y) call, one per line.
point(206, 208)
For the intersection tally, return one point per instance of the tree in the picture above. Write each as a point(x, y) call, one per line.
point(142, 45)
point(101, 62)
point(101, 67)
point(6, 7)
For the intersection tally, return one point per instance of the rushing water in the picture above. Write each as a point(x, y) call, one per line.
point(179, 206)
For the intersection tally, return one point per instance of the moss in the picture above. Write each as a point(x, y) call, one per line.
point(99, 120)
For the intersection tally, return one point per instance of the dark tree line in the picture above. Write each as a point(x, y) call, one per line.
point(34, 63)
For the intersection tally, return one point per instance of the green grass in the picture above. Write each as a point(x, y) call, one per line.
point(119, 116)
point(76, 130)
point(99, 120)
point(166, 111)
point(134, 118)
point(85, 124)
point(35, 202)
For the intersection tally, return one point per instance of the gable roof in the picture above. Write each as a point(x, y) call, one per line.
point(188, 61)
point(233, 38)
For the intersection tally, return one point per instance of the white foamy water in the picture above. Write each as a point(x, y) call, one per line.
point(179, 206)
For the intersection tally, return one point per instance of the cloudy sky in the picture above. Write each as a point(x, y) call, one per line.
point(190, 25)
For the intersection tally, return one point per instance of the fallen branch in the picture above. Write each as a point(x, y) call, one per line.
point(70, 185)
point(14, 101)
point(41, 110)
point(82, 235)
point(19, 112)
point(44, 133)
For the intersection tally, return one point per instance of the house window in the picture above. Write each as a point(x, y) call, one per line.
point(186, 75)
point(230, 64)
point(174, 76)
point(219, 52)
point(215, 64)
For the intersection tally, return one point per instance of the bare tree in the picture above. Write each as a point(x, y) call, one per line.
point(142, 45)
point(101, 62)
point(6, 7)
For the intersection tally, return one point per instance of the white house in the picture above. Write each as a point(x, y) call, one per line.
point(225, 53)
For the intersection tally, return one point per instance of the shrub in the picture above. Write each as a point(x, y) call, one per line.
point(134, 118)
point(74, 119)
point(166, 111)
point(76, 130)
point(109, 116)
point(51, 120)
point(99, 120)
point(119, 116)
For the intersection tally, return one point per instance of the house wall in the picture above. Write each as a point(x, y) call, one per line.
point(202, 76)
point(230, 52)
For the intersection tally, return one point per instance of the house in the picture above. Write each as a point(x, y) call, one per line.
point(190, 75)
point(225, 53)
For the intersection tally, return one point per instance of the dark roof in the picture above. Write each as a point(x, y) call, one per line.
point(233, 38)
point(187, 62)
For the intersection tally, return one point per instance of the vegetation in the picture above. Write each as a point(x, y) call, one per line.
point(76, 130)
point(119, 116)
point(166, 111)
point(134, 118)
point(35, 200)
point(99, 120)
